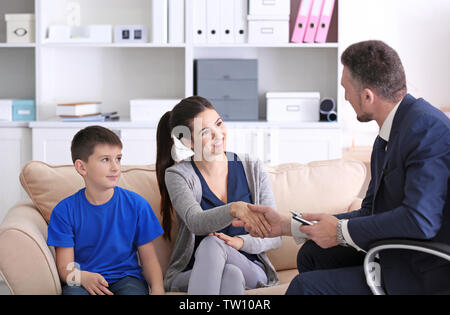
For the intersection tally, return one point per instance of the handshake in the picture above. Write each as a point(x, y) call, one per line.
point(263, 221)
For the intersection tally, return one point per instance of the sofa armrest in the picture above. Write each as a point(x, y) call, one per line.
point(355, 205)
point(27, 264)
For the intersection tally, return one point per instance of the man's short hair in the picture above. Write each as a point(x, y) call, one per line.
point(84, 142)
point(375, 65)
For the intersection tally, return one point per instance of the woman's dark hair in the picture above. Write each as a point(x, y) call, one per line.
point(181, 115)
point(84, 142)
point(376, 65)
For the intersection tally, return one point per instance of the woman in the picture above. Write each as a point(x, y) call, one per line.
point(207, 189)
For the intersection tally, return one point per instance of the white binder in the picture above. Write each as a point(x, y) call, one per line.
point(176, 21)
point(227, 21)
point(213, 21)
point(159, 21)
point(199, 21)
point(240, 21)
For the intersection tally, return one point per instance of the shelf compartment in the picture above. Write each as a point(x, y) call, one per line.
point(110, 12)
point(282, 69)
point(13, 7)
point(112, 76)
point(17, 77)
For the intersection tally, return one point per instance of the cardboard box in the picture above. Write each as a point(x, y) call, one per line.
point(150, 109)
point(23, 110)
point(268, 29)
point(293, 106)
point(19, 28)
point(269, 7)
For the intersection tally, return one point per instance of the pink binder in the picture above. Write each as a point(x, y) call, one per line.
point(301, 21)
point(324, 22)
point(313, 21)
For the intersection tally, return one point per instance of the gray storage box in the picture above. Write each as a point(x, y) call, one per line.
point(228, 89)
point(231, 85)
point(228, 109)
point(228, 69)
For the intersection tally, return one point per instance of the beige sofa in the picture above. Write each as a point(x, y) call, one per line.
point(27, 264)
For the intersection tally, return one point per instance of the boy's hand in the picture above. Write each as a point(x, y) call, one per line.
point(94, 283)
point(234, 241)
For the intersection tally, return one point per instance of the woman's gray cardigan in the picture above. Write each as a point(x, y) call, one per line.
point(185, 192)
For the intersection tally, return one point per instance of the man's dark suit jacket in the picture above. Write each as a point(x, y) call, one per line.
point(408, 197)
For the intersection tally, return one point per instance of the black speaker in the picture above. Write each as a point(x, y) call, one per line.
point(328, 110)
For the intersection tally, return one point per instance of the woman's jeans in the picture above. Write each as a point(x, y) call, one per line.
point(219, 269)
point(124, 286)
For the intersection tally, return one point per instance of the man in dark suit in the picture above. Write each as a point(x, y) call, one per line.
point(408, 195)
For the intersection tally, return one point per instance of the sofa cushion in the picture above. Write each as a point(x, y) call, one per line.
point(318, 187)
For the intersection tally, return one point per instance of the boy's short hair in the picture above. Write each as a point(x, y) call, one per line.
point(84, 142)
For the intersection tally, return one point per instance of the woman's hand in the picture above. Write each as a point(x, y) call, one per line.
point(234, 241)
point(240, 210)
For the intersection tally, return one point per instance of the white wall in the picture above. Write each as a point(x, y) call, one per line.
point(419, 30)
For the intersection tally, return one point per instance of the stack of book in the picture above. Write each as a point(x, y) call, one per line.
point(83, 111)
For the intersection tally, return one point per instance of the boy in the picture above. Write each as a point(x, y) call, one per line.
point(97, 231)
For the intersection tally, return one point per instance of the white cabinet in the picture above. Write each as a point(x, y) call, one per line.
point(53, 146)
point(304, 145)
point(270, 143)
point(15, 143)
point(251, 141)
point(273, 144)
point(139, 146)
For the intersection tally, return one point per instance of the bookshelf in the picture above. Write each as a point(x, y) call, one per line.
point(115, 73)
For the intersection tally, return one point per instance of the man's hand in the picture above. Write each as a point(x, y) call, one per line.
point(280, 223)
point(259, 224)
point(324, 232)
point(94, 283)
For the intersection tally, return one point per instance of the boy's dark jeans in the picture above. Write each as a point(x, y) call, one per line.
point(125, 286)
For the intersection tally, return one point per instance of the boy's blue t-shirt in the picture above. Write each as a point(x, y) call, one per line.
point(105, 238)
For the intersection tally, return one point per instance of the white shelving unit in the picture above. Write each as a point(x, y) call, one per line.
point(114, 73)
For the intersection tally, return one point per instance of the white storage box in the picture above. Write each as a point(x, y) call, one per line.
point(293, 106)
point(268, 29)
point(80, 34)
point(5, 110)
point(150, 109)
point(19, 28)
point(269, 7)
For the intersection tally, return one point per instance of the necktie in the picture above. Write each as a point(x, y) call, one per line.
point(379, 148)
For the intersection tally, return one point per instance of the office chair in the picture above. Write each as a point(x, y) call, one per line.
point(372, 267)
